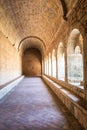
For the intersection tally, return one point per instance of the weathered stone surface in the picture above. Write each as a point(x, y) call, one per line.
point(30, 18)
point(10, 61)
point(42, 21)
point(76, 105)
point(32, 106)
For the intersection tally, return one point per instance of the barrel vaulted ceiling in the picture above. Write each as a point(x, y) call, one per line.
point(24, 19)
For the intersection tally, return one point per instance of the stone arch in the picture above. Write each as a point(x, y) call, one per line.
point(61, 61)
point(60, 49)
point(54, 63)
point(50, 65)
point(46, 65)
point(75, 57)
point(73, 40)
point(31, 41)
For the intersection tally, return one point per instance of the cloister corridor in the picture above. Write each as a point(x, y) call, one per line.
point(43, 64)
point(33, 106)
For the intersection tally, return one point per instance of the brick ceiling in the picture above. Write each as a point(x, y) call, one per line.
point(22, 19)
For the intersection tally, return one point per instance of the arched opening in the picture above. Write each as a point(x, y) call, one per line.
point(54, 63)
point(61, 62)
point(32, 62)
point(75, 58)
point(50, 64)
point(46, 65)
point(31, 41)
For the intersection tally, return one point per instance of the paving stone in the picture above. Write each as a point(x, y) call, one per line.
point(33, 106)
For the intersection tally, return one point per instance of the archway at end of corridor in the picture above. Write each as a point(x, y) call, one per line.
point(32, 62)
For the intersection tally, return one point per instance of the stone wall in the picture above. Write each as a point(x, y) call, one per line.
point(32, 62)
point(75, 104)
point(10, 61)
point(76, 19)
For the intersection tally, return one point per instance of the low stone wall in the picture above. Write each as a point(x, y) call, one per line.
point(76, 105)
point(9, 87)
point(75, 89)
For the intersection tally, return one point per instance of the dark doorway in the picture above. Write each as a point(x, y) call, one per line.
point(32, 62)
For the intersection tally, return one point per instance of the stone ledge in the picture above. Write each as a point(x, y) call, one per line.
point(9, 87)
point(76, 90)
point(76, 105)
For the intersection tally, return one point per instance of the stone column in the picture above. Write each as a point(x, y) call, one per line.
point(43, 66)
point(85, 62)
point(66, 70)
point(51, 65)
point(56, 65)
point(48, 64)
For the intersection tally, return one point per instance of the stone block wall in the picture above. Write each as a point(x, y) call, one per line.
point(10, 61)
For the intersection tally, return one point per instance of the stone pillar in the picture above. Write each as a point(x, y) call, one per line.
point(43, 66)
point(66, 72)
point(85, 61)
point(56, 65)
point(51, 65)
point(48, 64)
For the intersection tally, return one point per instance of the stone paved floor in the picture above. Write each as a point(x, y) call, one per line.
point(33, 106)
